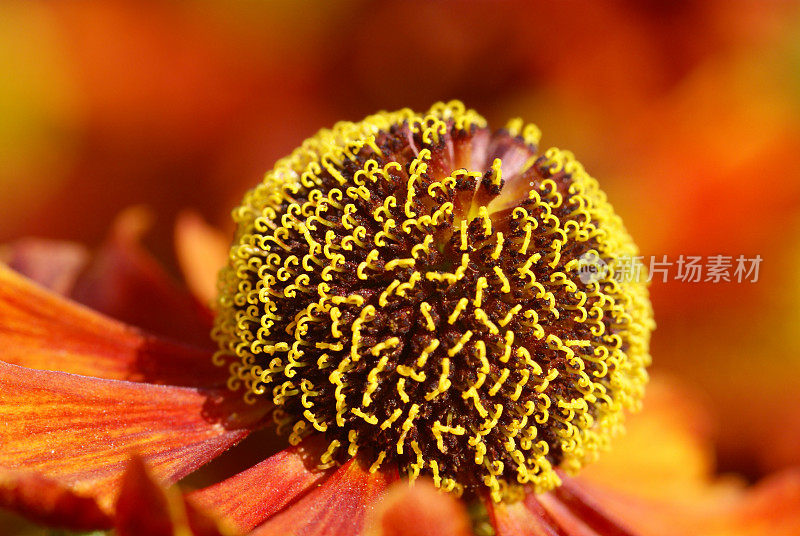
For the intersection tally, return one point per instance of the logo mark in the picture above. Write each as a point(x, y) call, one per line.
point(591, 268)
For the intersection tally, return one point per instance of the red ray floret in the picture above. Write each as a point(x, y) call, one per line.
point(518, 520)
point(145, 508)
point(49, 502)
point(125, 282)
point(254, 495)
point(567, 511)
point(571, 502)
point(338, 507)
point(80, 430)
point(201, 250)
point(53, 264)
point(41, 330)
point(120, 279)
point(419, 510)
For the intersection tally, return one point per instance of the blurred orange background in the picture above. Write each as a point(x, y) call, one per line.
point(687, 112)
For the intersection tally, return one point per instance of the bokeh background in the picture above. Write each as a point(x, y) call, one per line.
point(687, 112)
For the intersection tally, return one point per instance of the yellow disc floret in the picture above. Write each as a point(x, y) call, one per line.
point(413, 287)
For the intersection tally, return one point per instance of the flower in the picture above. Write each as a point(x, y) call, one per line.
point(395, 312)
point(412, 284)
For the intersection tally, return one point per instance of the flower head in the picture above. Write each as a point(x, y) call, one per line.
point(411, 287)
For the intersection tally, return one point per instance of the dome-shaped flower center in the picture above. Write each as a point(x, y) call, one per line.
point(414, 287)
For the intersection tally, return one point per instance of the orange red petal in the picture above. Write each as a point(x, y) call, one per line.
point(53, 264)
point(557, 513)
point(144, 507)
point(419, 510)
point(772, 507)
point(338, 507)
point(202, 251)
point(47, 502)
point(518, 519)
point(125, 282)
point(80, 430)
point(571, 506)
point(121, 279)
point(41, 330)
point(666, 451)
point(247, 499)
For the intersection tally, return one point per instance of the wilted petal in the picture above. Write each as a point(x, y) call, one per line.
point(202, 250)
point(248, 498)
point(41, 330)
point(48, 502)
point(80, 430)
point(52, 264)
point(125, 282)
point(421, 510)
point(337, 508)
point(144, 507)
